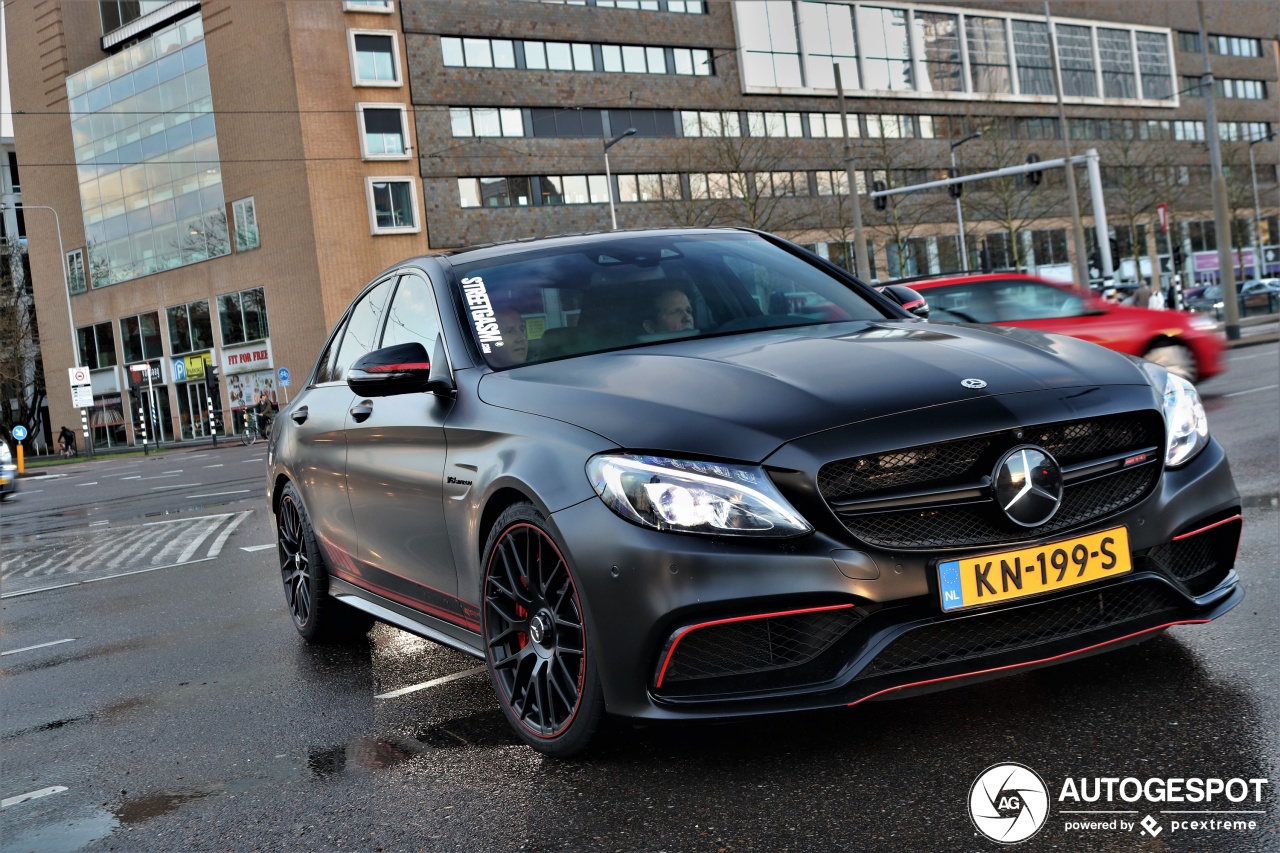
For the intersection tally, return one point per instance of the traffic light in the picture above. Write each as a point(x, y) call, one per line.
point(954, 190)
point(212, 380)
point(984, 257)
point(135, 384)
point(880, 202)
point(1034, 178)
point(1178, 259)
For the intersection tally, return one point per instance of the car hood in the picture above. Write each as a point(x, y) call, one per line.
point(742, 396)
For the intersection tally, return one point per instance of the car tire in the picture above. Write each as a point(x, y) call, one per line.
point(318, 616)
point(539, 654)
point(1177, 358)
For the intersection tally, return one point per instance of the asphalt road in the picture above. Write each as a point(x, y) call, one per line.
point(177, 710)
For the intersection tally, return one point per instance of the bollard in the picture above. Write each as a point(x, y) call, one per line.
point(213, 431)
point(21, 464)
point(142, 421)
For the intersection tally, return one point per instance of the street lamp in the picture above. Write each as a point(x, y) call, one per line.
point(608, 176)
point(964, 247)
point(1258, 270)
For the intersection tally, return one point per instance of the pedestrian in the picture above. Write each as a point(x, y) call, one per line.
point(1142, 296)
point(66, 442)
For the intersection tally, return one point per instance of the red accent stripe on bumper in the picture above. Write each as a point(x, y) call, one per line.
point(683, 632)
point(1237, 517)
point(1029, 663)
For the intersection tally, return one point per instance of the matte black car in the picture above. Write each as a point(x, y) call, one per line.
point(700, 474)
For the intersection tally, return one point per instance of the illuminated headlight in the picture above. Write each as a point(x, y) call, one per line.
point(1204, 324)
point(693, 497)
point(1186, 427)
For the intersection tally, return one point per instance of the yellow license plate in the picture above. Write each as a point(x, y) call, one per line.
point(993, 578)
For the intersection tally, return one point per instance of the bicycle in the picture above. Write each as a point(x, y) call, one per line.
point(252, 432)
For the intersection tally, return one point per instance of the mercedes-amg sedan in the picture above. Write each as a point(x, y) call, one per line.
point(699, 474)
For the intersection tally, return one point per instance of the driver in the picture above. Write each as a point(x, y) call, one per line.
point(515, 342)
point(672, 312)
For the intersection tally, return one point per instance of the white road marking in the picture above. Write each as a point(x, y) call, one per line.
point(98, 523)
point(219, 465)
point(158, 476)
point(220, 494)
point(94, 483)
point(1242, 357)
point(37, 646)
point(252, 548)
point(136, 541)
point(134, 477)
point(254, 459)
point(1252, 390)
point(435, 682)
point(195, 543)
point(183, 486)
point(31, 491)
point(104, 578)
point(179, 471)
point(34, 795)
point(216, 549)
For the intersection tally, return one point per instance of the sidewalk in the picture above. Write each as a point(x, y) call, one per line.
point(1257, 330)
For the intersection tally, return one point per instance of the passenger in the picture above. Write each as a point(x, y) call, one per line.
point(515, 343)
point(672, 312)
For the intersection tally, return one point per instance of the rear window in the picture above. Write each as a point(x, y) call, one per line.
point(639, 290)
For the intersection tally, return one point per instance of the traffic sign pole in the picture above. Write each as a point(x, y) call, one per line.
point(19, 436)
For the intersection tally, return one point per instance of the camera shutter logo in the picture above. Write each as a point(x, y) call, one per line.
point(1008, 803)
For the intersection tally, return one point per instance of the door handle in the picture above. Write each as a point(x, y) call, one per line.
point(299, 415)
point(360, 413)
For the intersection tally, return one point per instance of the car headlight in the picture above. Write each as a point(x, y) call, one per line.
point(1186, 426)
point(693, 497)
point(1204, 324)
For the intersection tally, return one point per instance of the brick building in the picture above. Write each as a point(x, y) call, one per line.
point(226, 175)
point(229, 217)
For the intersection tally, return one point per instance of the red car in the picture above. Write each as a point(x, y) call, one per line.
point(1184, 343)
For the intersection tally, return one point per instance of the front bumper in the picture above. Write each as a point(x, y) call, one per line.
point(687, 627)
point(8, 479)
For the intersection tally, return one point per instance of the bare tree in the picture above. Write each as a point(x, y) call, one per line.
point(1141, 176)
point(22, 388)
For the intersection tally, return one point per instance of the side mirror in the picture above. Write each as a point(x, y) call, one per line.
point(908, 299)
point(399, 369)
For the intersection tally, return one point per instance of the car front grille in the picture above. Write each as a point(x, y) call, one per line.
point(755, 646)
point(897, 484)
point(962, 639)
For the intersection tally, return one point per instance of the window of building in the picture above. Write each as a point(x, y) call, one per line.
point(707, 123)
point(13, 172)
point(116, 13)
point(940, 38)
point(770, 50)
point(245, 216)
point(375, 58)
point(490, 121)
point(1188, 131)
point(382, 7)
point(382, 132)
point(1075, 55)
point(650, 188)
point(512, 191)
point(147, 159)
point(1031, 46)
point(393, 205)
point(1116, 54)
point(826, 30)
point(777, 125)
point(75, 271)
point(890, 127)
point(833, 183)
point(1155, 65)
point(827, 125)
point(1220, 44)
point(97, 346)
point(560, 56)
point(1036, 128)
point(242, 316)
point(189, 327)
point(886, 48)
point(988, 55)
point(140, 337)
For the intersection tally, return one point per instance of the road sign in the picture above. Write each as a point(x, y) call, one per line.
point(179, 370)
point(19, 433)
point(283, 375)
point(82, 396)
point(79, 376)
point(1162, 211)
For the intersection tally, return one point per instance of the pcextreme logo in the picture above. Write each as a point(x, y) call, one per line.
point(1010, 802)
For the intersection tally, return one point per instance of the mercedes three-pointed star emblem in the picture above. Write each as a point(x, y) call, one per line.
point(1028, 485)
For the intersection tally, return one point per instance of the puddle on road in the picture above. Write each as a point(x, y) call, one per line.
point(1260, 501)
point(65, 836)
point(141, 809)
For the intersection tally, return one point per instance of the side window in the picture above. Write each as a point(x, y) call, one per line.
point(412, 316)
point(360, 336)
point(1030, 301)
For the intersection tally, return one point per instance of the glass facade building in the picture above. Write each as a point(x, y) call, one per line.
point(147, 157)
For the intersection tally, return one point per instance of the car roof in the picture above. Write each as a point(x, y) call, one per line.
point(978, 279)
point(488, 251)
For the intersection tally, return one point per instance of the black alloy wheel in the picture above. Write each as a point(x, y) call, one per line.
point(535, 637)
point(318, 616)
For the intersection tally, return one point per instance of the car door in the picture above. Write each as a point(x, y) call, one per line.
point(320, 418)
point(395, 471)
point(1048, 308)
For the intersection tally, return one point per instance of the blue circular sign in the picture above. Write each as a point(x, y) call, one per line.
point(283, 375)
point(20, 433)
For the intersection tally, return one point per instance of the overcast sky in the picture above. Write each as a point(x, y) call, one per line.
point(6, 117)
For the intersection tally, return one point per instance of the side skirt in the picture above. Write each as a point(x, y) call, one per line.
point(399, 616)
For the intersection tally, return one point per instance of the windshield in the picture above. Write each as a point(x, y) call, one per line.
point(643, 289)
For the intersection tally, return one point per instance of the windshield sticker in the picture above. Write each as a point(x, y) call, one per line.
point(482, 313)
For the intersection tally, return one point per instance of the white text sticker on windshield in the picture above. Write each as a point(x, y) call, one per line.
point(481, 312)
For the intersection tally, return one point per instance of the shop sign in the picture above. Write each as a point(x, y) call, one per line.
point(249, 357)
